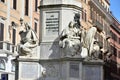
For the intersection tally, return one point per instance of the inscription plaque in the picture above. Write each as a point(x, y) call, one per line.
point(74, 70)
point(92, 73)
point(52, 23)
point(29, 70)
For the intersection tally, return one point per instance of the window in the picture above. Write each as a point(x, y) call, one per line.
point(118, 54)
point(114, 50)
point(26, 7)
point(1, 34)
point(100, 19)
point(14, 36)
point(2, 64)
point(8, 46)
point(4, 76)
point(91, 13)
point(2, 0)
point(1, 45)
point(1, 31)
point(35, 26)
point(14, 4)
point(13, 49)
point(119, 70)
point(13, 67)
point(84, 15)
point(114, 37)
point(97, 17)
point(36, 5)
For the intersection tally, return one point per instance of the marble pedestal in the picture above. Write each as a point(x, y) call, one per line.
point(27, 69)
point(92, 70)
point(72, 69)
point(55, 17)
point(52, 64)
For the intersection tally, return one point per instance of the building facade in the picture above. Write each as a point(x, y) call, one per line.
point(11, 12)
point(97, 13)
point(113, 64)
point(94, 13)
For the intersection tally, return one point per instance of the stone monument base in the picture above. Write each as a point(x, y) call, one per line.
point(59, 69)
point(72, 69)
point(92, 70)
point(27, 69)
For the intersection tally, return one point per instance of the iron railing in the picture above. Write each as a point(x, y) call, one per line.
point(7, 46)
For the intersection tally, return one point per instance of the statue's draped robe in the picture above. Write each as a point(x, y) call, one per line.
point(28, 41)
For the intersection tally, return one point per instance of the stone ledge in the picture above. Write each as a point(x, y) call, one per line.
point(90, 62)
point(94, 62)
point(60, 5)
point(61, 60)
point(27, 60)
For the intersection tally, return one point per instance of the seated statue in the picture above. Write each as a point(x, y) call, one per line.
point(28, 42)
point(91, 44)
point(77, 41)
point(95, 50)
point(70, 40)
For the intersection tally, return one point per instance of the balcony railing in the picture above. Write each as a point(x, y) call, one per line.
point(115, 27)
point(98, 4)
point(7, 46)
point(98, 25)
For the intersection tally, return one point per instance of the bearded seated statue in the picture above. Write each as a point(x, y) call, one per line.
point(29, 41)
point(70, 40)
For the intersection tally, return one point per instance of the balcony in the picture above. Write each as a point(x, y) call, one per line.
point(98, 25)
point(116, 28)
point(6, 47)
point(99, 7)
point(98, 4)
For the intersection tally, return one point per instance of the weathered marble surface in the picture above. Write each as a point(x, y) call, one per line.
point(63, 48)
point(92, 72)
point(70, 39)
point(29, 70)
point(29, 41)
point(75, 41)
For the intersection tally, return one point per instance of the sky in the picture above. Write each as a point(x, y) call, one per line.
point(115, 8)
